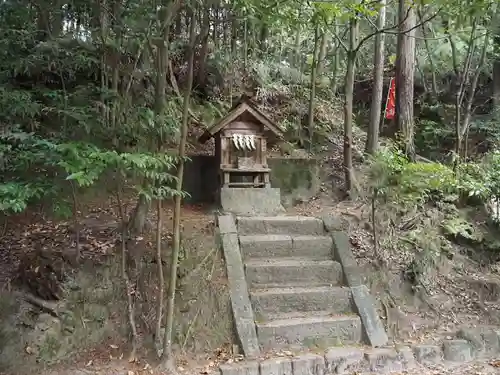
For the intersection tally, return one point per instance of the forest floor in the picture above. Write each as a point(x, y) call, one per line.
point(416, 322)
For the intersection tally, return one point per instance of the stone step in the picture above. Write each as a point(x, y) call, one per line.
point(283, 245)
point(320, 330)
point(269, 273)
point(299, 225)
point(268, 303)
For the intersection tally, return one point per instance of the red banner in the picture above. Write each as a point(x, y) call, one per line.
point(390, 104)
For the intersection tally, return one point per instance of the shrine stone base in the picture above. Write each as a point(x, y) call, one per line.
point(251, 201)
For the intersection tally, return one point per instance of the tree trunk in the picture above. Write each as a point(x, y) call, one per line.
point(322, 54)
point(297, 56)
point(348, 104)
point(463, 78)
point(378, 84)
point(139, 217)
point(429, 56)
point(462, 148)
point(161, 278)
point(205, 32)
point(336, 62)
point(312, 94)
point(167, 342)
point(405, 71)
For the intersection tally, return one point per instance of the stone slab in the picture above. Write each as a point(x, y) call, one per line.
point(333, 223)
point(308, 332)
point(276, 366)
point(308, 364)
point(405, 355)
point(271, 302)
point(386, 360)
point(251, 201)
point(343, 360)
point(240, 368)
point(265, 245)
point(226, 224)
point(428, 354)
point(317, 247)
point(291, 225)
point(283, 245)
point(373, 329)
point(292, 272)
point(343, 254)
point(240, 300)
point(484, 341)
point(457, 351)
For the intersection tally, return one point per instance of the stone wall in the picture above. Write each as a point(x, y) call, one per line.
point(298, 178)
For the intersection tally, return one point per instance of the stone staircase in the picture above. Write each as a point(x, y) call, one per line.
point(295, 285)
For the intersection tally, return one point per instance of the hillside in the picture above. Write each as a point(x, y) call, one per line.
point(98, 98)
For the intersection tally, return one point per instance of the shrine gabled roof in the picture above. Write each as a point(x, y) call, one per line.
point(242, 106)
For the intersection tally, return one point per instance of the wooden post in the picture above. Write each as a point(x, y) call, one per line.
point(263, 149)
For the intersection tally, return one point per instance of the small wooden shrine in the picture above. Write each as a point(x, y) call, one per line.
point(241, 141)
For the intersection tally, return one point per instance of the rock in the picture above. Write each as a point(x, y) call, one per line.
point(276, 366)
point(308, 364)
point(46, 338)
point(372, 325)
point(240, 368)
point(343, 360)
point(333, 223)
point(386, 360)
point(484, 341)
point(226, 224)
point(46, 321)
point(457, 351)
point(487, 288)
point(426, 354)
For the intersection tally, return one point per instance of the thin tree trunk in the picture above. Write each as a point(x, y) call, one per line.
point(167, 342)
point(378, 84)
point(323, 49)
point(312, 93)
point(297, 55)
point(76, 221)
point(470, 97)
point(348, 104)
point(336, 62)
point(161, 288)
point(429, 56)
point(202, 59)
point(463, 77)
point(129, 289)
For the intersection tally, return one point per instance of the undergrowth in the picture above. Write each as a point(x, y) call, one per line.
point(427, 209)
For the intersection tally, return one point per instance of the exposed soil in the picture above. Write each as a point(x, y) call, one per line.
point(203, 321)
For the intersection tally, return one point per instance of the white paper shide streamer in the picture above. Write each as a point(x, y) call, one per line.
point(244, 141)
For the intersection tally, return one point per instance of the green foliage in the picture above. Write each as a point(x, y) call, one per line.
point(425, 182)
point(439, 193)
point(458, 227)
point(76, 162)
